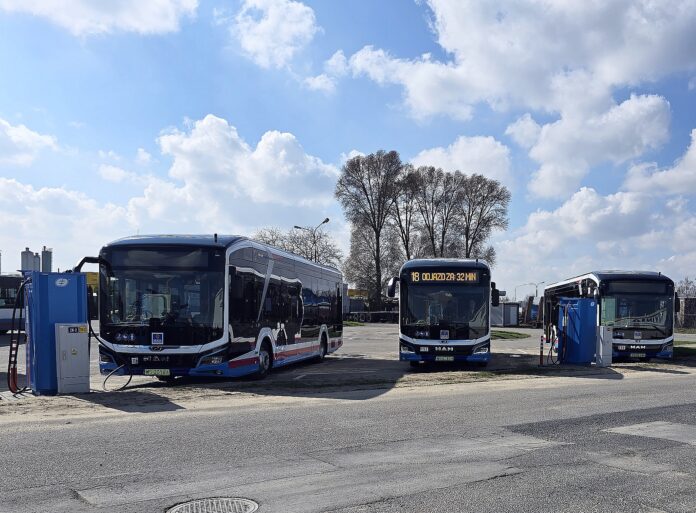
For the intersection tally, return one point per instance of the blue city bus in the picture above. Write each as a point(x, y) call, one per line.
point(637, 307)
point(444, 310)
point(209, 305)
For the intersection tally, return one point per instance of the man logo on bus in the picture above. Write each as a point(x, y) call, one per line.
point(157, 339)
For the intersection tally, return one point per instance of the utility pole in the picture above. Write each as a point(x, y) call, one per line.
point(313, 231)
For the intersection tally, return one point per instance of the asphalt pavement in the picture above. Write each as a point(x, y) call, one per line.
point(510, 438)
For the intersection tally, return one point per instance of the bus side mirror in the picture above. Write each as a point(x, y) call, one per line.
point(391, 287)
point(495, 297)
point(677, 304)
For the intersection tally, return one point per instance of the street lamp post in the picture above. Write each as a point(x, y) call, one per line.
point(536, 288)
point(313, 231)
point(521, 285)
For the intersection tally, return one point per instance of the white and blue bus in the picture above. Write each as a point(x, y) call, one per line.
point(174, 305)
point(637, 306)
point(444, 311)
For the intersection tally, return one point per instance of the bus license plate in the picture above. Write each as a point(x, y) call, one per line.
point(156, 372)
point(637, 355)
point(444, 358)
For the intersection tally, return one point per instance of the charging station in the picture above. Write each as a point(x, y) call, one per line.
point(577, 319)
point(57, 332)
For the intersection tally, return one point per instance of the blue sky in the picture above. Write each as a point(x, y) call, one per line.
point(203, 116)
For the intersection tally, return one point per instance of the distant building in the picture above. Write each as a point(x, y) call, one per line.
point(46, 260)
point(27, 260)
point(37, 262)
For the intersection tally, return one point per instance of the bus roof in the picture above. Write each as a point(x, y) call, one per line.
point(599, 276)
point(223, 241)
point(468, 263)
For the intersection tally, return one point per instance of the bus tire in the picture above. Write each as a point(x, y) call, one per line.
point(324, 350)
point(265, 360)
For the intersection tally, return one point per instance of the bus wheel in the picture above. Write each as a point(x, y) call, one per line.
point(324, 350)
point(265, 361)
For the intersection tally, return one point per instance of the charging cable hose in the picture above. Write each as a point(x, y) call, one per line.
point(14, 342)
point(123, 387)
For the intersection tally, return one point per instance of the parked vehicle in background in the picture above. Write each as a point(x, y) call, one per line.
point(9, 284)
point(444, 310)
point(638, 308)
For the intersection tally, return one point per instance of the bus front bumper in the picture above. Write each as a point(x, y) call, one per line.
point(445, 352)
point(631, 349)
point(171, 365)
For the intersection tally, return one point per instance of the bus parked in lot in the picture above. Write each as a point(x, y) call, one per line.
point(638, 307)
point(444, 311)
point(9, 284)
point(212, 306)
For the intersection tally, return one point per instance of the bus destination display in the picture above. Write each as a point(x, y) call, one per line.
point(445, 276)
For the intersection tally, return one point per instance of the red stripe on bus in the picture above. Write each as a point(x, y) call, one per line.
point(292, 352)
point(240, 363)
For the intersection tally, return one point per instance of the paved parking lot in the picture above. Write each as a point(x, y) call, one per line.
point(368, 362)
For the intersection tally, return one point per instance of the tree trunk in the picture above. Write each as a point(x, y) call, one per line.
point(378, 273)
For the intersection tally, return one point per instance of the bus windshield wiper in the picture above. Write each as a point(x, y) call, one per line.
point(657, 327)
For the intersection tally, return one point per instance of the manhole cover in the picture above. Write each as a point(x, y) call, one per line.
point(216, 505)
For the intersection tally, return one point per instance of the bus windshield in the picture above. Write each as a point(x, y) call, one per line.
point(447, 304)
point(170, 287)
point(638, 311)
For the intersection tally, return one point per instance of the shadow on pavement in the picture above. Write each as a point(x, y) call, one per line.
point(132, 401)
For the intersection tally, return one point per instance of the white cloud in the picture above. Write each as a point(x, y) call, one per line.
point(142, 157)
point(85, 17)
point(528, 53)
point(69, 221)
point(568, 148)
point(214, 173)
point(216, 183)
point(336, 65)
point(562, 58)
point(429, 87)
point(116, 174)
point(272, 32)
point(524, 131)
point(482, 155)
point(625, 230)
point(344, 157)
point(20, 146)
point(323, 82)
point(678, 179)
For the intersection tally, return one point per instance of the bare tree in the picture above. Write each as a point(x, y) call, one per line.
point(428, 202)
point(366, 190)
point(302, 243)
point(484, 209)
point(405, 212)
point(438, 202)
point(359, 268)
point(686, 287)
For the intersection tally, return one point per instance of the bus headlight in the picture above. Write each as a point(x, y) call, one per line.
point(481, 350)
point(406, 349)
point(212, 360)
